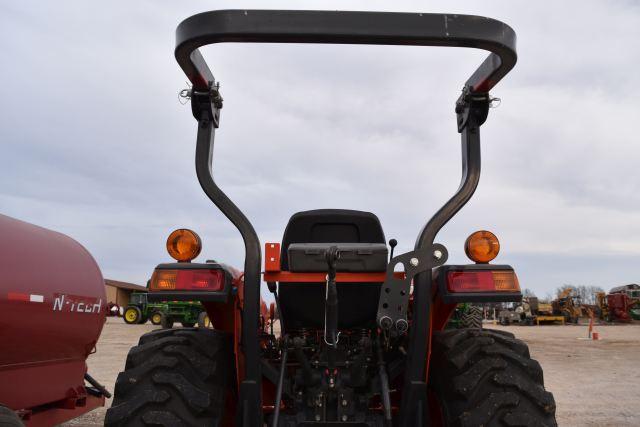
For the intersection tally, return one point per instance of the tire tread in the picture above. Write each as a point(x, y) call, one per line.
point(485, 377)
point(173, 377)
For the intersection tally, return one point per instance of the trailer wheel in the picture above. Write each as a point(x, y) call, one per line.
point(472, 318)
point(166, 321)
point(156, 318)
point(203, 320)
point(174, 377)
point(8, 418)
point(487, 377)
point(132, 315)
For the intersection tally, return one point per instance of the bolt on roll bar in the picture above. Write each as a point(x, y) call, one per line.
point(334, 27)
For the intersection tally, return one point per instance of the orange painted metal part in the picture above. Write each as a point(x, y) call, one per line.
point(341, 277)
point(272, 272)
point(271, 257)
point(227, 317)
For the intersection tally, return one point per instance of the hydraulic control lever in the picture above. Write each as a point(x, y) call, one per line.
point(393, 243)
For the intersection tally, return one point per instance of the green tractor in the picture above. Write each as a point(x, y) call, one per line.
point(165, 313)
point(188, 313)
point(138, 310)
point(466, 315)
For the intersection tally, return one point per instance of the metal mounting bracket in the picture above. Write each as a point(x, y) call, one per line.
point(471, 103)
point(395, 292)
point(208, 102)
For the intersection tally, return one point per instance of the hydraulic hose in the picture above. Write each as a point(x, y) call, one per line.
point(283, 369)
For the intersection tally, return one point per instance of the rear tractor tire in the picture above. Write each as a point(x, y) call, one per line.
point(487, 378)
point(132, 315)
point(174, 377)
point(472, 318)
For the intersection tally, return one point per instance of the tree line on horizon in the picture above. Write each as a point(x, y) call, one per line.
point(587, 294)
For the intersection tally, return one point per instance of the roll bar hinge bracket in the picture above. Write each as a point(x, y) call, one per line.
point(393, 305)
point(208, 102)
point(472, 107)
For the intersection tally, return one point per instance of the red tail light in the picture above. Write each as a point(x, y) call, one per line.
point(482, 281)
point(187, 280)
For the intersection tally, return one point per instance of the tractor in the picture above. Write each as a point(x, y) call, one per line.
point(139, 310)
point(632, 293)
point(466, 316)
point(165, 313)
point(362, 339)
point(614, 307)
point(568, 305)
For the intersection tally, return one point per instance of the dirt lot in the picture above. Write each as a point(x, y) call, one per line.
point(595, 383)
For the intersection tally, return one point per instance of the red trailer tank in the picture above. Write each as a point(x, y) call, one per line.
point(52, 310)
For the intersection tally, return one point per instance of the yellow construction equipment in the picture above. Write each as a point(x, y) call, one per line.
point(567, 305)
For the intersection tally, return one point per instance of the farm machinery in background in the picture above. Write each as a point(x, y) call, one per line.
point(621, 304)
point(530, 311)
point(51, 318)
point(568, 305)
point(165, 313)
point(632, 292)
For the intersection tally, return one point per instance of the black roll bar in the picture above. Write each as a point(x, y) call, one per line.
point(381, 28)
point(334, 27)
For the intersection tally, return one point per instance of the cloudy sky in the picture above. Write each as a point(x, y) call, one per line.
point(96, 145)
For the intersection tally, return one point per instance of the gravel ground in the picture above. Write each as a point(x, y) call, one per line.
point(595, 383)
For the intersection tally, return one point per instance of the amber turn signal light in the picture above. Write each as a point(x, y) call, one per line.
point(482, 246)
point(199, 279)
point(164, 280)
point(184, 245)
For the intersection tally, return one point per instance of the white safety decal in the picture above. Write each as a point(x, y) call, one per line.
point(18, 296)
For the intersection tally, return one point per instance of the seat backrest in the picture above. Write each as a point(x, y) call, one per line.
point(302, 304)
point(330, 226)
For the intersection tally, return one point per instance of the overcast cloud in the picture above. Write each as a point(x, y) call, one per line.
point(96, 145)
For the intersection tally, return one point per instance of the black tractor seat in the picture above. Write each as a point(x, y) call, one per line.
point(361, 243)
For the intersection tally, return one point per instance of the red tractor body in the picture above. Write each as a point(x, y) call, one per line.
point(361, 340)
